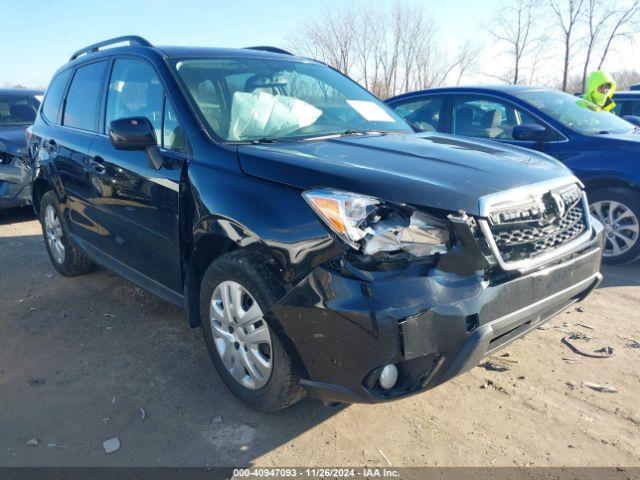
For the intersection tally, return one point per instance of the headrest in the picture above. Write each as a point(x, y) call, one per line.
point(464, 116)
point(492, 119)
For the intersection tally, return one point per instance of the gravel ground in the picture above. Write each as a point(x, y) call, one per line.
point(90, 358)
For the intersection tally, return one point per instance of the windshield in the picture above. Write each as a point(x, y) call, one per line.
point(575, 113)
point(263, 99)
point(18, 109)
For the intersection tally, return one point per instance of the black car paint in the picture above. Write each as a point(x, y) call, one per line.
point(343, 317)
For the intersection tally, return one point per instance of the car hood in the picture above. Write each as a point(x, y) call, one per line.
point(619, 140)
point(429, 170)
point(13, 139)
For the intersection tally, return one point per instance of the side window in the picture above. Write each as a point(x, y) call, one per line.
point(135, 91)
point(635, 108)
point(53, 100)
point(621, 108)
point(423, 114)
point(172, 132)
point(488, 118)
point(81, 107)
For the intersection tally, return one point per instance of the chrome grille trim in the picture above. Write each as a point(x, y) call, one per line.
point(526, 195)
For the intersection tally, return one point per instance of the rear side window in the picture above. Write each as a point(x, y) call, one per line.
point(83, 98)
point(423, 113)
point(53, 100)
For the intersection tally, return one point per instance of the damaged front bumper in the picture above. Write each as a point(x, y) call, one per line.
point(342, 329)
point(15, 181)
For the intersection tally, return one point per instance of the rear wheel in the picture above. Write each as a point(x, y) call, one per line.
point(236, 292)
point(618, 209)
point(65, 257)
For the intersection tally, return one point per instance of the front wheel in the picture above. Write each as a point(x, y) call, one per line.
point(618, 209)
point(237, 291)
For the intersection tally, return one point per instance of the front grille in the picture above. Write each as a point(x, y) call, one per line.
point(537, 225)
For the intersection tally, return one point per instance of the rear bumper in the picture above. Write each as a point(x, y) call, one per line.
point(431, 325)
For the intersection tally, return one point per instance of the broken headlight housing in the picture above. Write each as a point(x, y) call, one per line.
point(370, 225)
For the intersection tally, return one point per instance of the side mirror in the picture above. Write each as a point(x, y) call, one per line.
point(529, 132)
point(136, 133)
point(633, 119)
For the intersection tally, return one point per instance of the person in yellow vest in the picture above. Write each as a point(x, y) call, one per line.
point(600, 90)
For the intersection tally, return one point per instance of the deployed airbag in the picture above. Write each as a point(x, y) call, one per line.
point(263, 115)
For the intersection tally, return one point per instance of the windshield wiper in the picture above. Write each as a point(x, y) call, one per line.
point(365, 132)
point(264, 140)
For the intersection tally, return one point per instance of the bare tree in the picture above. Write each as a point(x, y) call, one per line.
point(514, 26)
point(331, 39)
point(597, 13)
point(388, 51)
point(623, 19)
point(567, 14)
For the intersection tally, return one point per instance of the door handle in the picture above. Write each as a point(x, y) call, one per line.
point(97, 163)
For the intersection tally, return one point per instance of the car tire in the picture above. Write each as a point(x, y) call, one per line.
point(66, 258)
point(618, 209)
point(262, 375)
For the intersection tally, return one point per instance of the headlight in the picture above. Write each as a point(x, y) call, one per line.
point(371, 225)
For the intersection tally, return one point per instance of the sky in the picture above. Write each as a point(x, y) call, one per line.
point(38, 36)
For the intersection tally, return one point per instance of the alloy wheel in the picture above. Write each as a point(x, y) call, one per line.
point(241, 335)
point(54, 233)
point(621, 227)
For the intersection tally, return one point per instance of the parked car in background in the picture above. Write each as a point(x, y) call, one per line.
point(322, 246)
point(18, 109)
point(602, 150)
point(628, 104)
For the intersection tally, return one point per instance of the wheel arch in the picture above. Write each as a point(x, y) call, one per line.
point(38, 188)
point(606, 182)
point(213, 237)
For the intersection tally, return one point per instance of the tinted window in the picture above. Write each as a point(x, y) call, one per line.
point(83, 98)
point(53, 99)
point(18, 109)
point(489, 118)
point(135, 91)
point(423, 114)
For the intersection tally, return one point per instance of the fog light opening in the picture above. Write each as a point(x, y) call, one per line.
point(388, 376)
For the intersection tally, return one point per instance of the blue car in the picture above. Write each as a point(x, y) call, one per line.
point(602, 149)
point(628, 103)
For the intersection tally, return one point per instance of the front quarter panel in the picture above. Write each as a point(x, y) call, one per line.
point(269, 217)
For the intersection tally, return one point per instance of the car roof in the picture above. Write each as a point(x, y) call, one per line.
point(501, 89)
point(180, 52)
point(628, 93)
point(20, 91)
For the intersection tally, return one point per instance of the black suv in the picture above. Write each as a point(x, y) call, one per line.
point(322, 246)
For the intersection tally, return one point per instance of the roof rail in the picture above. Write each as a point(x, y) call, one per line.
point(265, 48)
point(132, 39)
point(635, 87)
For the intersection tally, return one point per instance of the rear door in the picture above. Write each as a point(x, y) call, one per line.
point(68, 146)
point(137, 204)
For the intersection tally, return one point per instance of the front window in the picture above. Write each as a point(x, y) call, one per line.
point(575, 113)
point(484, 117)
point(18, 109)
point(255, 99)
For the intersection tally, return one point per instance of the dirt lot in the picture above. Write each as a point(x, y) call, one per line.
point(80, 358)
